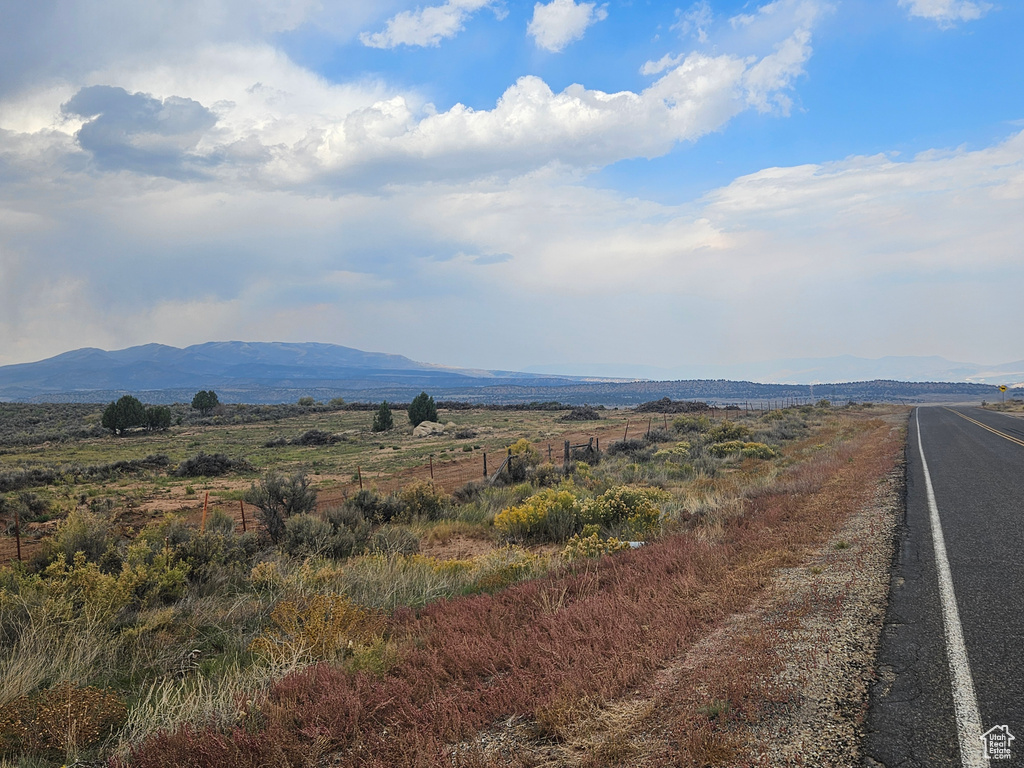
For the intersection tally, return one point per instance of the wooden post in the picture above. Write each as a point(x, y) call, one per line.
point(431, 467)
point(666, 422)
point(626, 432)
point(649, 422)
point(206, 503)
point(359, 473)
point(565, 460)
point(17, 532)
point(485, 463)
point(597, 445)
point(241, 505)
point(549, 452)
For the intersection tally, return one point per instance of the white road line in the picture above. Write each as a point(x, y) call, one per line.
point(965, 702)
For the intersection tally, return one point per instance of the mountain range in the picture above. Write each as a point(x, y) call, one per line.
point(266, 372)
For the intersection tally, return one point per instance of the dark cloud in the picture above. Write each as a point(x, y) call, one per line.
point(134, 131)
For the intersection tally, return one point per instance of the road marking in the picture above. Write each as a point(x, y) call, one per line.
point(965, 702)
point(993, 430)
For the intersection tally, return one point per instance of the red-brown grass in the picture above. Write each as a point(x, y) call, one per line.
point(465, 663)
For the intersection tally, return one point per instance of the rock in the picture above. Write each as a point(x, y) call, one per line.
point(427, 428)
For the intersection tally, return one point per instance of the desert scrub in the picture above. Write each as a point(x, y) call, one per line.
point(747, 450)
point(524, 450)
point(425, 500)
point(553, 514)
point(59, 722)
point(580, 547)
point(324, 627)
point(625, 510)
point(728, 431)
point(677, 454)
point(686, 424)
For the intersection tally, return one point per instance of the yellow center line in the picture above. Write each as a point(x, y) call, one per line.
point(993, 430)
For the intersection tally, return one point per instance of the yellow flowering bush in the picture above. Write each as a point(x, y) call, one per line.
point(323, 627)
point(747, 450)
point(551, 514)
point(580, 547)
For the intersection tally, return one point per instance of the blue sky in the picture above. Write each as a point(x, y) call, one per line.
point(505, 185)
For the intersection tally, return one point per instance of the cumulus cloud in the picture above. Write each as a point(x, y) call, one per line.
point(46, 40)
point(424, 26)
point(134, 131)
point(946, 13)
point(556, 24)
point(115, 262)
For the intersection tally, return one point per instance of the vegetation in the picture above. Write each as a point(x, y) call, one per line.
point(378, 627)
point(124, 414)
point(383, 420)
point(422, 408)
point(278, 498)
point(205, 401)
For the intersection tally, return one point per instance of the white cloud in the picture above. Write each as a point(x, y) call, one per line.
point(665, 62)
point(947, 13)
point(695, 20)
point(424, 26)
point(561, 22)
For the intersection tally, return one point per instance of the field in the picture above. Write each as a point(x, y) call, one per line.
point(401, 622)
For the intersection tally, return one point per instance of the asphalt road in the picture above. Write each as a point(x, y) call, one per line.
point(921, 707)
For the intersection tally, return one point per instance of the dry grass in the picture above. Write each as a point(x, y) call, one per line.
point(556, 649)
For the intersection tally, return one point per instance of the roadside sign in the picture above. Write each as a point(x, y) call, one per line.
point(1002, 387)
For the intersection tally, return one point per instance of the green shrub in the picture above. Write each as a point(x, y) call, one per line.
point(383, 420)
point(376, 508)
point(211, 465)
point(306, 535)
point(758, 451)
point(424, 500)
point(422, 408)
point(691, 424)
point(85, 532)
point(748, 450)
point(389, 540)
point(676, 454)
point(277, 498)
point(727, 431)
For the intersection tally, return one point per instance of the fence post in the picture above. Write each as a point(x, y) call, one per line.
point(431, 467)
point(649, 422)
point(598, 445)
point(359, 474)
point(241, 504)
point(206, 503)
point(17, 532)
point(549, 452)
point(485, 463)
point(626, 432)
point(565, 461)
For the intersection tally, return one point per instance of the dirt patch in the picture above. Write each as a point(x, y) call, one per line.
point(456, 548)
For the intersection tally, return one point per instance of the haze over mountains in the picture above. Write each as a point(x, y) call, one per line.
point(280, 372)
point(816, 370)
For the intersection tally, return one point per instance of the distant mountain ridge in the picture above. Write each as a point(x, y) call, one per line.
point(819, 370)
point(243, 367)
point(269, 372)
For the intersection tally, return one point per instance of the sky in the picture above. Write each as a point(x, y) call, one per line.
point(494, 184)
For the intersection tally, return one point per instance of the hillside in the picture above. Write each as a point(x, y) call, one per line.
point(264, 372)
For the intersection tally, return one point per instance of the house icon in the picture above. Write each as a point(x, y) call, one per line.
point(997, 742)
